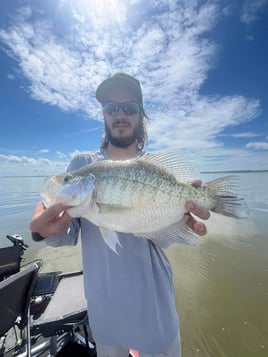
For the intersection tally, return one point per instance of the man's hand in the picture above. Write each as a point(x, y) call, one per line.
point(199, 211)
point(50, 221)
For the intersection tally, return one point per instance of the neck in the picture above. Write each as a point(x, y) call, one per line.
point(116, 153)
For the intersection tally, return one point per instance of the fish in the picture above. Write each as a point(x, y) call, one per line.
point(144, 196)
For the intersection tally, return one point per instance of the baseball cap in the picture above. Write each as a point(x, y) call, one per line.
point(119, 80)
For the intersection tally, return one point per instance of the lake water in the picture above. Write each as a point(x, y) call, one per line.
point(221, 284)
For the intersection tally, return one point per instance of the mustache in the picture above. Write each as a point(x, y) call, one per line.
point(119, 122)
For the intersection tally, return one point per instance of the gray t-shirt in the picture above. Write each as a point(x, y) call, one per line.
point(130, 295)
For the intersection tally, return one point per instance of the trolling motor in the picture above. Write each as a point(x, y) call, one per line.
point(17, 240)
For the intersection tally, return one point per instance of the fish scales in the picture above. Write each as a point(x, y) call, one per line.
point(145, 196)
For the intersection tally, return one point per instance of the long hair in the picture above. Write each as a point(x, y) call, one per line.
point(142, 135)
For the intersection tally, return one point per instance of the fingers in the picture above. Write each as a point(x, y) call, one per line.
point(198, 227)
point(199, 211)
point(58, 225)
point(55, 210)
point(51, 211)
point(50, 221)
point(38, 209)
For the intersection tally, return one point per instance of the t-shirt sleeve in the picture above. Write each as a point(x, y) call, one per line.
point(70, 235)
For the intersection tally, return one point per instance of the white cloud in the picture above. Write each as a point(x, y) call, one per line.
point(198, 122)
point(62, 155)
point(257, 145)
point(245, 135)
point(167, 52)
point(217, 159)
point(165, 45)
point(10, 158)
point(251, 11)
point(16, 165)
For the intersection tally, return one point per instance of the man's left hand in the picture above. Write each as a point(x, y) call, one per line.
point(199, 211)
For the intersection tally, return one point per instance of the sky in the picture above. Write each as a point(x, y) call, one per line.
point(203, 68)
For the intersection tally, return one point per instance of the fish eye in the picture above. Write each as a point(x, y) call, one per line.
point(67, 178)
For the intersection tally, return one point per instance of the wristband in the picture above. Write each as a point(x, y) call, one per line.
point(37, 236)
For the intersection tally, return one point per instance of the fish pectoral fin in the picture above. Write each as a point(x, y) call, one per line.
point(178, 233)
point(110, 238)
point(105, 208)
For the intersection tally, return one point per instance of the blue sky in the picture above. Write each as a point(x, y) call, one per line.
point(202, 67)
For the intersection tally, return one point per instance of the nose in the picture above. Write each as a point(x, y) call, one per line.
point(120, 114)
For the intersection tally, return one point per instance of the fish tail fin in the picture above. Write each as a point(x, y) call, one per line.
point(226, 202)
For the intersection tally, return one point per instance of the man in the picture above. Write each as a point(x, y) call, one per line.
point(130, 296)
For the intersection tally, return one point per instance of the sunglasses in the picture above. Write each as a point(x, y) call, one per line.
point(129, 108)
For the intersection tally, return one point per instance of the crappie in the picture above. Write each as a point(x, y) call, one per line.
point(144, 196)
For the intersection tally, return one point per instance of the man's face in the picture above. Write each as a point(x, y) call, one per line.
point(122, 129)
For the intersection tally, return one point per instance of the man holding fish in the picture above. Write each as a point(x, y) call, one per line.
point(112, 197)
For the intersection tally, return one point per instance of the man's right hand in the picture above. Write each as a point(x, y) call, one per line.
point(50, 221)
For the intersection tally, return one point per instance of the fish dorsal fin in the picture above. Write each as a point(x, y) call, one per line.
point(174, 162)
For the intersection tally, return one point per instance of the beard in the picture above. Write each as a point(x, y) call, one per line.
point(122, 142)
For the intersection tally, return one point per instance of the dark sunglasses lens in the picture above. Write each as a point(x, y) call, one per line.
point(131, 108)
point(128, 108)
point(110, 108)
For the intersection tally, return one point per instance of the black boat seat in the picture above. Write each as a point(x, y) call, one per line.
point(9, 261)
point(15, 295)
